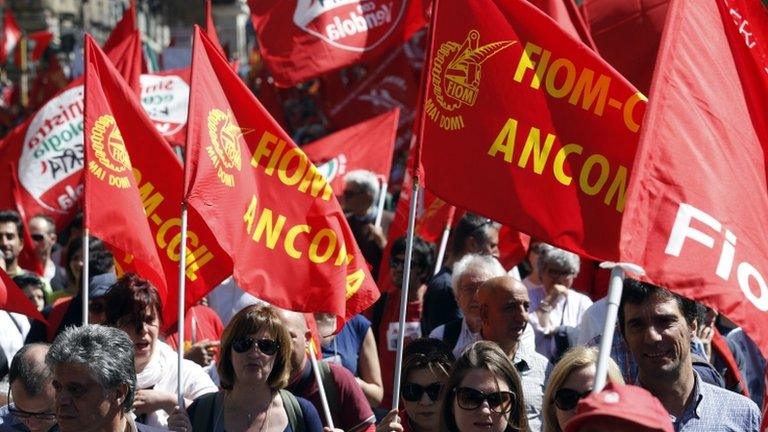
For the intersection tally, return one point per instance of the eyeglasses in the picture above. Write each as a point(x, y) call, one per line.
point(27, 415)
point(413, 392)
point(558, 273)
point(267, 346)
point(566, 399)
point(37, 237)
point(471, 399)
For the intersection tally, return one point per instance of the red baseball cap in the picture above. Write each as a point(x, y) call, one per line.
point(627, 405)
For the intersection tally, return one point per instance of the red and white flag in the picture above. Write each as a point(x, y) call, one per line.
point(11, 35)
point(165, 98)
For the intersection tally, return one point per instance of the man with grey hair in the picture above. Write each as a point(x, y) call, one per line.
point(94, 380)
point(361, 192)
point(30, 406)
point(556, 309)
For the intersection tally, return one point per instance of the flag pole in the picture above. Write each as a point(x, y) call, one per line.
point(404, 292)
point(320, 387)
point(182, 298)
point(444, 241)
point(615, 288)
point(84, 275)
point(24, 81)
point(380, 203)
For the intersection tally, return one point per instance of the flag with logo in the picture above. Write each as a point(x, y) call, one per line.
point(697, 203)
point(12, 299)
point(526, 110)
point(306, 38)
point(10, 37)
point(367, 145)
point(271, 209)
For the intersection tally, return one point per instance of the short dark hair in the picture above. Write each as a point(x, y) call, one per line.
point(29, 279)
point(423, 253)
point(637, 292)
point(427, 353)
point(32, 374)
point(130, 297)
point(14, 217)
point(470, 226)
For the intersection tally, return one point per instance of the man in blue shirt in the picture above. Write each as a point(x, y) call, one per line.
point(658, 326)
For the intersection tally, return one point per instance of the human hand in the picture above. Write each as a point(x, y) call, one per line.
point(376, 234)
point(178, 421)
point(390, 423)
point(149, 400)
point(202, 352)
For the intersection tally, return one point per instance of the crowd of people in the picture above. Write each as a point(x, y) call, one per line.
point(487, 348)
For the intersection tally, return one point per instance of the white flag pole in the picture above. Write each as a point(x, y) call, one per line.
point(182, 297)
point(320, 386)
point(615, 288)
point(84, 275)
point(404, 293)
point(380, 203)
point(444, 241)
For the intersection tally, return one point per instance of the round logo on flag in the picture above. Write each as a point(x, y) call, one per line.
point(110, 162)
point(351, 25)
point(224, 150)
point(333, 168)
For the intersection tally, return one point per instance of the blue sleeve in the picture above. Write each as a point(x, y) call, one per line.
point(361, 326)
point(312, 422)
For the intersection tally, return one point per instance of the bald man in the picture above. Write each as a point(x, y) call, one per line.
point(32, 395)
point(349, 407)
point(504, 313)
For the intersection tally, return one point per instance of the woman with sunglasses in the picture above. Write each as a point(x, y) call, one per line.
point(254, 369)
point(426, 364)
point(483, 393)
point(133, 305)
point(570, 381)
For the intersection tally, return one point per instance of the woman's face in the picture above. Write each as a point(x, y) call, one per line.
point(580, 381)
point(253, 366)
point(555, 276)
point(482, 418)
point(144, 339)
point(76, 263)
point(36, 296)
point(423, 412)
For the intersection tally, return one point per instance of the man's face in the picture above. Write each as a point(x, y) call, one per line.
point(82, 405)
point(397, 270)
point(490, 247)
point(356, 199)
point(506, 313)
point(658, 337)
point(465, 292)
point(42, 235)
point(297, 329)
point(10, 242)
point(36, 412)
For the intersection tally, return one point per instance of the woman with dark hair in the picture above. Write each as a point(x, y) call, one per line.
point(426, 364)
point(483, 393)
point(133, 305)
point(254, 368)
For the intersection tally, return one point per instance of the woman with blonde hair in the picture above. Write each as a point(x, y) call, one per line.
point(571, 380)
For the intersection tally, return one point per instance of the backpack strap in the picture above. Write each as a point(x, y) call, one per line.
point(293, 411)
point(204, 409)
point(451, 332)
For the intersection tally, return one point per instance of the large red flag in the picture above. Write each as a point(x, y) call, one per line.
point(48, 148)
point(306, 38)
point(367, 145)
point(697, 203)
point(272, 210)
point(210, 28)
point(12, 298)
point(159, 177)
point(113, 207)
point(528, 126)
point(28, 258)
point(11, 35)
point(37, 43)
point(123, 29)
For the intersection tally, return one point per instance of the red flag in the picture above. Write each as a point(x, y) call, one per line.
point(11, 35)
point(12, 299)
point(274, 212)
point(697, 204)
point(165, 98)
point(48, 149)
point(48, 82)
point(566, 15)
point(532, 113)
point(28, 257)
point(367, 145)
point(113, 209)
point(123, 29)
point(210, 28)
point(627, 35)
point(37, 43)
point(303, 39)
point(513, 246)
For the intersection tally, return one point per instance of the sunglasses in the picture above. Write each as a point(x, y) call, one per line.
point(471, 399)
point(27, 415)
point(267, 346)
point(566, 399)
point(37, 237)
point(413, 392)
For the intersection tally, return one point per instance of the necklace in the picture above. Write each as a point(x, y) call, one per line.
point(250, 417)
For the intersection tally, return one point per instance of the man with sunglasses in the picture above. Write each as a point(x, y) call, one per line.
point(30, 394)
point(42, 229)
point(504, 306)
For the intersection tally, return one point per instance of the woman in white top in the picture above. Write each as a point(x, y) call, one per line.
point(556, 309)
point(133, 305)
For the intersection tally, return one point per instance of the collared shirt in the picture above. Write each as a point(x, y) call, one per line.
point(534, 369)
point(713, 409)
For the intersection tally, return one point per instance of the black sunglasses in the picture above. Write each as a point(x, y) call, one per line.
point(27, 415)
point(267, 346)
point(413, 392)
point(37, 237)
point(566, 399)
point(471, 399)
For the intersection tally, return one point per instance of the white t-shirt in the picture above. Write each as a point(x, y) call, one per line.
point(13, 330)
point(566, 313)
point(161, 374)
